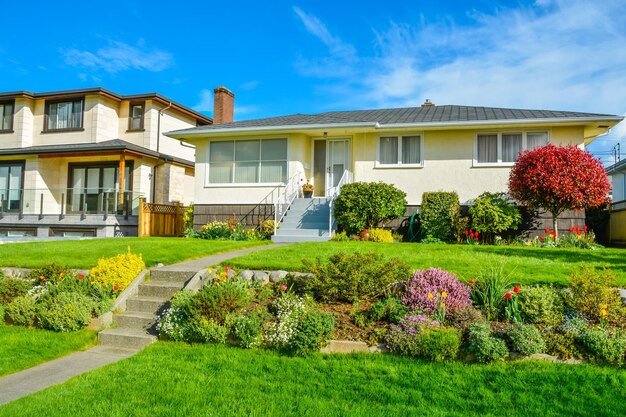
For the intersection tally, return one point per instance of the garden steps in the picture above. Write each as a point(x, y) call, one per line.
point(166, 274)
point(126, 338)
point(305, 221)
point(136, 320)
point(146, 304)
point(160, 289)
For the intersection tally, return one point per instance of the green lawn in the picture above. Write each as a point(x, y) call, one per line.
point(169, 379)
point(22, 348)
point(84, 254)
point(526, 265)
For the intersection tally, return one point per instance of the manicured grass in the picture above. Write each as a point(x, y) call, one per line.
point(169, 379)
point(85, 253)
point(21, 348)
point(526, 265)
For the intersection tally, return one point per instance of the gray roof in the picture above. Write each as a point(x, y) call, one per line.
point(113, 145)
point(408, 115)
point(617, 167)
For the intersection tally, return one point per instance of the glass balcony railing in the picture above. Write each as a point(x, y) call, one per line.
point(68, 201)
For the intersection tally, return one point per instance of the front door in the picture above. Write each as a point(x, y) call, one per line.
point(330, 160)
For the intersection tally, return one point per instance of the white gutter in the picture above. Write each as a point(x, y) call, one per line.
point(199, 132)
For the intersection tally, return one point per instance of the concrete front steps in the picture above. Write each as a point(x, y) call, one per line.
point(135, 328)
point(305, 221)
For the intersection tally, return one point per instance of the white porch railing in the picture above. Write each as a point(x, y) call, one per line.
point(333, 192)
point(286, 197)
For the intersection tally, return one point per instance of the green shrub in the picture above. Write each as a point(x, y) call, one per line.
point(355, 277)
point(188, 218)
point(541, 305)
point(440, 215)
point(592, 293)
point(440, 344)
point(2, 312)
point(22, 310)
point(11, 288)
point(215, 302)
point(117, 271)
point(340, 237)
point(65, 312)
point(562, 345)
point(486, 347)
point(174, 324)
point(604, 345)
point(365, 205)
point(390, 309)
point(464, 317)
point(203, 330)
point(79, 283)
point(493, 213)
point(380, 235)
point(312, 333)
point(526, 339)
point(230, 230)
point(248, 330)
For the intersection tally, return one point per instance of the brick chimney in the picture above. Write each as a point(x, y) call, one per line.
point(428, 103)
point(223, 105)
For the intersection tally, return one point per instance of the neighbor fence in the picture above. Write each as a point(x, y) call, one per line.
point(161, 219)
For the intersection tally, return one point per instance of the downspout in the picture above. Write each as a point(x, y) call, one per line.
point(158, 146)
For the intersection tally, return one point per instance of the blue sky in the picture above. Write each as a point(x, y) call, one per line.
point(312, 56)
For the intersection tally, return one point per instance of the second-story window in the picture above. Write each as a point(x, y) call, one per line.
point(135, 121)
point(64, 115)
point(6, 116)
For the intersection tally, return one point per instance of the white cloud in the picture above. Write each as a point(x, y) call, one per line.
point(119, 56)
point(315, 27)
point(556, 54)
point(206, 101)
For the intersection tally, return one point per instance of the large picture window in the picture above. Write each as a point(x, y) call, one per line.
point(64, 115)
point(94, 188)
point(503, 148)
point(394, 151)
point(248, 161)
point(6, 116)
point(11, 181)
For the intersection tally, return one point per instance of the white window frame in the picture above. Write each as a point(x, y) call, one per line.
point(399, 163)
point(499, 134)
point(208, 184)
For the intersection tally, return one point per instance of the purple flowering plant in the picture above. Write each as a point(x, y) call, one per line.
point(427, 288)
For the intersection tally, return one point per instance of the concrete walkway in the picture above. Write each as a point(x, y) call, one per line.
point(42, 376)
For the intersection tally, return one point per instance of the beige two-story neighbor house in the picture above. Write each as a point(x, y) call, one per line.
point(249, 166)
point(76, 162)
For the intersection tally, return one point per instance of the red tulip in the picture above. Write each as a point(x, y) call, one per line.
point(516, 288)
point(472, 282)
point(116, 288)
point(547, 230)
point(283, 287)
point(227, 269)
point(585, 229)
point(466, 232)
point(476, 239)
point(81, 276)
point(507, 295)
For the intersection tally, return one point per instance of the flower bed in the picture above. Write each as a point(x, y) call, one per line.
point(56, 298)
point(427, 314)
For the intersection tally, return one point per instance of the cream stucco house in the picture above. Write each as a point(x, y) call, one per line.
point(243, 167)
point(76, 162)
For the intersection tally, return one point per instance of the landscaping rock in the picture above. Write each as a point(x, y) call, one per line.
point(622, 293)
point(345, 346)
point(261, 277)
point(231, 273)
point(277, 276)
point(246, 275)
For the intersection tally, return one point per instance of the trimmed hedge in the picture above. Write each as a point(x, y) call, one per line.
point(440, 215)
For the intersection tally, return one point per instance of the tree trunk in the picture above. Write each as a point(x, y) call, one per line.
point(555, 225)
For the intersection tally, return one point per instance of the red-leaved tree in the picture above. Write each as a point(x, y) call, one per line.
point(558, 178)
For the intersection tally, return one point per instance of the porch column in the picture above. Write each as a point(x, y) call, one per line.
point(122, 171)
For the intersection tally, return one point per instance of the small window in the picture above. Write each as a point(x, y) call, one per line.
point(135, 121)
point(400, 150)
point(511, 146)
point(64, 115)
point(6, 116)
